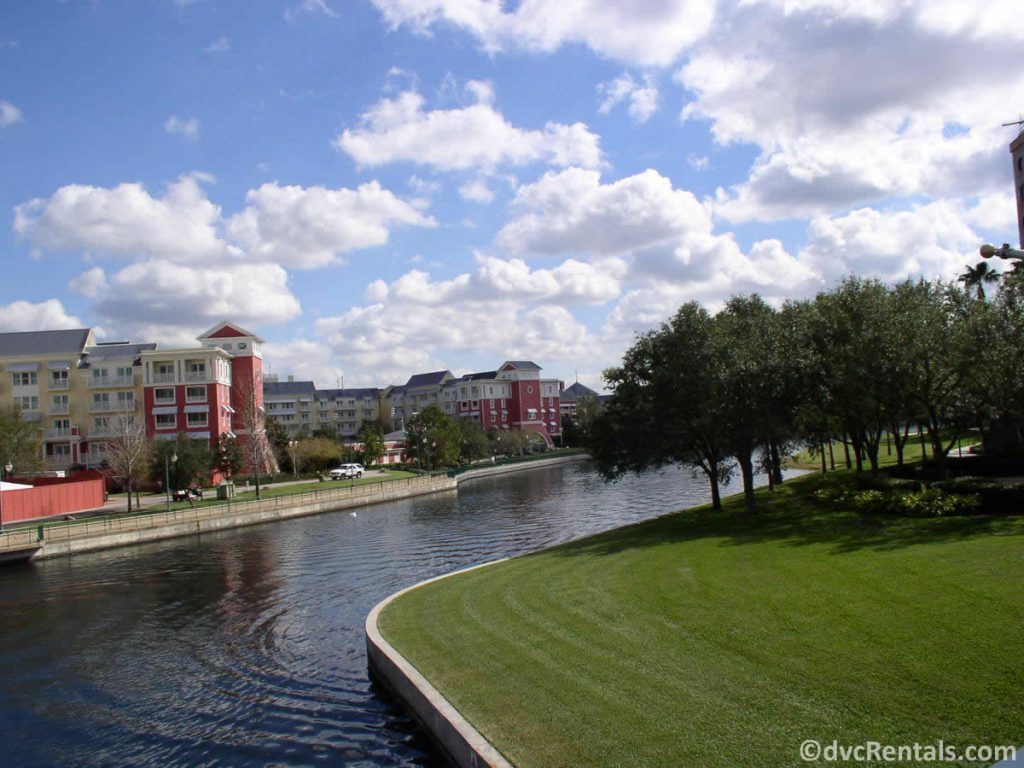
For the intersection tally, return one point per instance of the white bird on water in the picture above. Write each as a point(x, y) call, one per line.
point(352, 514)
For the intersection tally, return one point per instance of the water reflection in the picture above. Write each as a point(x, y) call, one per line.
point(246, 647)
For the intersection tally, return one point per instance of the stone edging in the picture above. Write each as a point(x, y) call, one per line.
point(464, 745)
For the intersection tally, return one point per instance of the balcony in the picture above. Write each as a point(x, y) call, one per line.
point(112, 406)
point(198, 377)
point(59, 384)
point(58, 462)
point(163, 378)
point(101, 432)
point(59, 433)
point(59, 409)
point(112, 381)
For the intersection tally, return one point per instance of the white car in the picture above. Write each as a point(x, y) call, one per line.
point(346, 471)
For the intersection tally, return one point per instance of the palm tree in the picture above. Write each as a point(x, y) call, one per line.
point(977, 276)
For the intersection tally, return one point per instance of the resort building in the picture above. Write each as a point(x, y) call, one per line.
point(1017, 153)
point(79, 391)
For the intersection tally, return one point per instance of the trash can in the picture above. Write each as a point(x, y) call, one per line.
point(225, 491)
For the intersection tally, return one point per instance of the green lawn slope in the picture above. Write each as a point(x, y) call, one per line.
point(702, 639)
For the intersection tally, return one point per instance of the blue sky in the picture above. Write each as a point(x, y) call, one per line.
point(386, 187)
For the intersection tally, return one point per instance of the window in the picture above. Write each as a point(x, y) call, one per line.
point(227, 345)
point(61, 403)
point(476, 404)
point(99, 373)
point(529, 390)
point(27, 403)
point(242, 345)
point(59, 379)
point(531, 413)
point(167, 421)
point(195, 394)
point(197, 419)
point(126, 399)
point(101, 423)
point(164, 395)
point(197, 367)
point(25, 378)
point(63, 450)
point(100, 400)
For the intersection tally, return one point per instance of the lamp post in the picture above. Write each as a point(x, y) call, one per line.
point(1003, 252)
point(169, 458)
point(7, 471)
point(430, 456)
point(291, 453)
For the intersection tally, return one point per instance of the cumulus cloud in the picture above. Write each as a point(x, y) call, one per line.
point(572, 211)
point(312, 361)
point(852, 103)
point(9, 114)
point(127, 221)
point(311, 226)
point(474, 137)
point(653, 34)
point(46, 315)
point(188, 128)
point(159, 299)
point(220, 45)
point(303, 227)
point(309, 7)
point(642, 99)
point(477, 191)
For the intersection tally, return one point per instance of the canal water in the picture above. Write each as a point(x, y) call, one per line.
point(246, 647)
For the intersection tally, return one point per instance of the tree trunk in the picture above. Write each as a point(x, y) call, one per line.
point(129, 484)
point(776, 463)
point(924, 446)
point(831, 454)
point(821, 449)
point(747, 470)
point(716, 494)
point(846, 450)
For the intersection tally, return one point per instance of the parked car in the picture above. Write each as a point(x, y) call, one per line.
point(188, 494)
point(346, 471)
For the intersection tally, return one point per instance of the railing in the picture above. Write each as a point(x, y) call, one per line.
point(57, 409)
point(112, 405)
point(58, 433)
point(60, 384)
point(313, 501)
point(112, 381)
point(163, 378)
point(101, 432)
point(58, 462)
point(200, 377)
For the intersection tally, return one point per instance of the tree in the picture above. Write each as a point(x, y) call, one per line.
point(259, 452)
point(20, 445)
point(317, 454)
point(371, 435)
point(474, 444)
point(434, 437)
point(228, 458)
point(977, 276)
point(184, 462)
point(128, 453)
point(668, 406)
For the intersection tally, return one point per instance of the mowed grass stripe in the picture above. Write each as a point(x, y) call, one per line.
point(698, 639)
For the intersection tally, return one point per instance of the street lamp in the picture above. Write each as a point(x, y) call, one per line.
point(1003, 252)
point(291, 452)
point(7, 471)
point(169, 458)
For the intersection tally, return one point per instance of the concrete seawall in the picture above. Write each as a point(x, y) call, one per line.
point(105, 532)
point(463, 744)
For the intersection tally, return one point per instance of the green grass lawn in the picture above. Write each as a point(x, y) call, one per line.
point(703, 639)
point(911, 453)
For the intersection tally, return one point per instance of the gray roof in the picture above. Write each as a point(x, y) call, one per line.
point(575, 392)
point(116, 351)
point(356, 393)
point(285, 388)
point(26, 343)
point(478, 376)
point(523, 365)
point(427, 379)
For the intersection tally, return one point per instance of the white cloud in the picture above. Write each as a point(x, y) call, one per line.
point(310, 227)
point(572, 212)
point(188, 128)
point(92, 283)
point(311, 361)
point(220, 45)
point(933, 239)
point(472, 137)
point(126, 221)
point(46, 315)
point(9, 114)
point(698, 162)
point(852, 103)
point(651, 34)
point(163, 300)
point(477, 191)
point(309, 7)
point(295, 226)
point(643, 99)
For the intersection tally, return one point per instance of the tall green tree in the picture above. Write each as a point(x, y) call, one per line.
point(978, 276)
point(187, 461)
point(20, 443)
point(434, 438)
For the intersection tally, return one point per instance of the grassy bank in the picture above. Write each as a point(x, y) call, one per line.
point(718, 639)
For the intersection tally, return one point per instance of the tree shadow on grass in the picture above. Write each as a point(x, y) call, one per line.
point(793, 517)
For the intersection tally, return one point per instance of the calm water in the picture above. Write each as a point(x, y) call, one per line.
point(246, 647)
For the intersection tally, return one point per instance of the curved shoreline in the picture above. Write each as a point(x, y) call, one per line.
point(463, 744)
